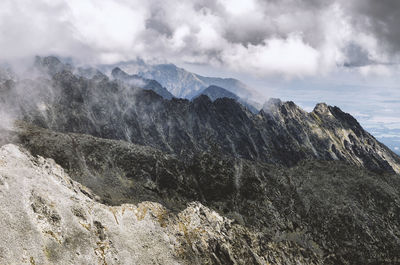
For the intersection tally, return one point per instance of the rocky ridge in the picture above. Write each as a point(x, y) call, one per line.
point(280, 133)
point(58, 221)
point(337, 212)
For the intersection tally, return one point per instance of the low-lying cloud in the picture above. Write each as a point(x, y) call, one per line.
point(261, 37)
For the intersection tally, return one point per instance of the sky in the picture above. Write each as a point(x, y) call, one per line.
point(345, 53)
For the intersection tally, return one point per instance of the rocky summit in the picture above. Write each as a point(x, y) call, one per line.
point(113, 170)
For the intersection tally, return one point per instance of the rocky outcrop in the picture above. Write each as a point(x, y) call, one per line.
point(55, 220)
point(330, 134)
point(337, 212)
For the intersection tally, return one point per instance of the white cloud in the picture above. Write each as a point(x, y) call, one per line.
point(238, 7)
point(275, 56)
point(379, 70)
point(107, 25)
point(293, 38)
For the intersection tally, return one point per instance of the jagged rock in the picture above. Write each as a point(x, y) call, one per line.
point(47, 218)
point(340, 213)
point(285, 135)
point(281, 133)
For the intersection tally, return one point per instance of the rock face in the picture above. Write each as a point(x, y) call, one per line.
point(58, 221)
point(330, 133)
point(50, 219)
point(335, 212)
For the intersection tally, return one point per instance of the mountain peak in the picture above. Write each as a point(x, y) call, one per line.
point(322, 108)
point(138, 81)
point(215, 92)
point(272, 103)
point(91, 73)
point(48, 61)
point(51, 65)
point(118, 73)
point(185, 84)
point(202, 99)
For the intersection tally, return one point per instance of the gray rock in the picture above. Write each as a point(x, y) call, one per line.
point(335, 211)
point(41, 225)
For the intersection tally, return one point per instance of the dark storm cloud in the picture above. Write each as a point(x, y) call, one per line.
point(356, 56)
point(158, 22)
point(382, 18)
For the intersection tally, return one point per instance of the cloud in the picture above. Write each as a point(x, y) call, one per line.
point(291, 38)
point(379, 17)
point(274, 56)
point(29, 28)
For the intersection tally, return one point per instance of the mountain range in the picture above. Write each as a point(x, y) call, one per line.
point(197, 180)
point(184, 84)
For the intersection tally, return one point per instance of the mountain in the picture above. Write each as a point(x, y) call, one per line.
point(178, 81)
point(6, 74)
point(51, 65)
point(185, 84)
point(182, 83)
point(281, 133)
point(197, 181)
point(67, 225)
point(318, 212)
point(215, 92)
point(89, 72)
point(141, 82)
